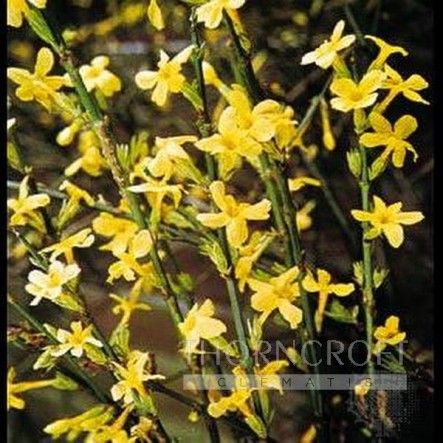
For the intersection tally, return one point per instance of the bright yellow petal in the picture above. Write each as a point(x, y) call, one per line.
point(292, 314)
point(409, 218)
point(341, 289)
point(394, 234)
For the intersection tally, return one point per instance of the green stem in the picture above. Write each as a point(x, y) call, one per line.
point(285, 214)
point(75, 368)
point(368, 285)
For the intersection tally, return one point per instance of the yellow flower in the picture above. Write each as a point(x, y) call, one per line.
point(278, 293)
point(156, 191)
point(394, 139)
point(142, 429)
point(168, 78)
point(75, 341)
point(325, 55)
point(14, 388)
point(362, 388)
point(233, 215)
point(91, 160)
point(386, 50)
point(356, 96)
point(200, 324)
point(267, 376)
point(170, 156)
point(237, 401)
point(127, 305)
point(389, 334)
point(113, 433)
point(89, 421)
point(387, 220)
point(324, 287)
point(127, 264)
point(16, 9)
point(249, 254)
point(297, 183)
point(409, 87)
point(49, 285)
point(97, 76)
point(81, 239)
point(132, 378)
point(211, 13)
point(38, 85)
point(76, 193)
point(230, 144)
point(303, 218)
point(120, 230)
point(155, 15)
point(24, 207)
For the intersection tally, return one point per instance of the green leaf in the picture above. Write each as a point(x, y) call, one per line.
point(341, 314)
point(119, 340)
point(223, 345)
point(256, 425)
point(64, 383)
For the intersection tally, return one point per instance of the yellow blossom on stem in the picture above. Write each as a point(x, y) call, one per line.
point(392, 138)
point(132, 378)
point(89, 421)
point(16, 9)
point(74, 342)
point(389, 334)
point(268, 377)
point(353, 95)
point(211, 13)
point(278, 293)
point(325, 55)
point(168, 78)
point(120, 230)
point(49, 284)
point(127, 305)
point(395, 83)
point(230, 144)
point(38, 85)
point(323, 286)
point(114, 433)
point(127, 265)
point(386, 50)
point(200, 324)
point(76, 193)
point(237, 400)
point(387, 220)
point(91, 160)
point(155, 15)
point(249, 254)
point(14, 388)
point(234, 216)
point(297, 183)
point(303, 218)
point(169, 156)
point(81, 239)
point(96, 76)
point(24, 207)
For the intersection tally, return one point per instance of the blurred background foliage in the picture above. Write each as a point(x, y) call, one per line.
point(281, 31)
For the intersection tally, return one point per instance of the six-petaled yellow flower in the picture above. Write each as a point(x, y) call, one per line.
point(38, 85)
point(49, 284)
point(211, 13)
point(74, 342)
point(323, 286)
point(387, 220)
point(16, 9)
point(278, 293)
point(353, 95)
point(325, 55)
point(132, 378)
point(81, 239)
point(234, 216)
point(393, 138)
point(24, 208)
point(200, 324)
point(168, 78)
point(389, 334)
